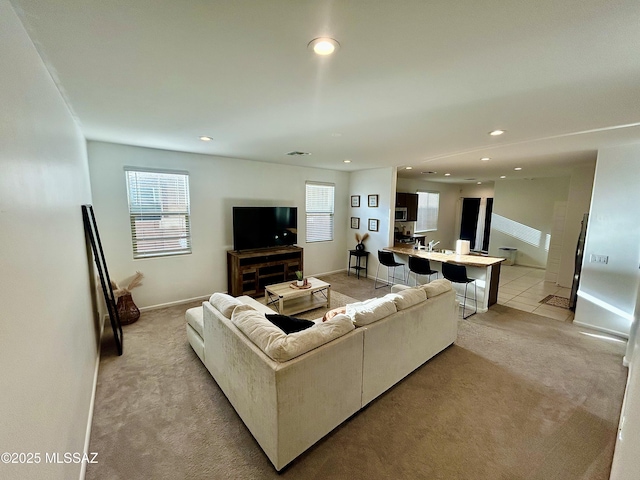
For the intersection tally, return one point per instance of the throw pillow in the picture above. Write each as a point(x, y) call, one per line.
point(224, 303)
point(408, 298)
point(281, 347)
point(437, 287)
point(289, 324)
point(369, 311)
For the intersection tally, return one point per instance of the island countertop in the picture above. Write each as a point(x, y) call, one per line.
point(470, 260)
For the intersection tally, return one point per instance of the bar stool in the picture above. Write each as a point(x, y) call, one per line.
point(421, 266)
point(388, 260)
point(458, 274)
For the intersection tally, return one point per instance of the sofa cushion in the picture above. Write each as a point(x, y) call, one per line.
point(289, 324)
point(280, 346)
point(437, 287)
point(408, 298)
point(369, 311)
point(224, 303)
point(194, 318)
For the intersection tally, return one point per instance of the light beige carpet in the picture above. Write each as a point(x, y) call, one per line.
point(518, 396)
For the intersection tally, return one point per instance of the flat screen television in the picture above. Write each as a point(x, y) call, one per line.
point(264, 227)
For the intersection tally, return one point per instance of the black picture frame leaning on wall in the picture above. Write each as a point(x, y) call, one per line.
point(91, 231)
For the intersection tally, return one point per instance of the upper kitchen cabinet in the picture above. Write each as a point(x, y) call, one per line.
point(410, 202)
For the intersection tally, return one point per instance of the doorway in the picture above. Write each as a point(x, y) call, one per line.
point(475, 223)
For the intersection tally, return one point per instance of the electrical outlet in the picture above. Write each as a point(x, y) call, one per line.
point(599, 259)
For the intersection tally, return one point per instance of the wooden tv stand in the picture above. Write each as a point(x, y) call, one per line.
point(248, 271)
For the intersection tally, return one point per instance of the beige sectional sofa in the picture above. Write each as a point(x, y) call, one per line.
point(291, 390)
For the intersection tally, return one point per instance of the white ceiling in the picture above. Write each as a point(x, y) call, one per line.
point(415, 83)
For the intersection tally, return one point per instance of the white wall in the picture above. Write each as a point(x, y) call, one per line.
point(448, 209)
point(626, 461)
point(607, 293)
point(381, 182)
point(578, 202)
point(525, 207)
point(48, 329)
point(216, 185)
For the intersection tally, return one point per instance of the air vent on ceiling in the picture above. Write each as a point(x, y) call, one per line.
point(470, 179)
point(295, 153)
point(428, 173)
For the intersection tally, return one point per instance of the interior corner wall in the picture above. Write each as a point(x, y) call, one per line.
point(216, 184)
point(381, 182)
point(578, 202)
point(608, 291)
point(48, 326)
point(447, 210)
point(523, 217)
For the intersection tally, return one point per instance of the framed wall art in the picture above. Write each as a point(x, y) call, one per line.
point(374, 224)
point(355, 222)
point(373, 200)
point(355, 200)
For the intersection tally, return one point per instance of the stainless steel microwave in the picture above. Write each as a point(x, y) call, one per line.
point(401, 214)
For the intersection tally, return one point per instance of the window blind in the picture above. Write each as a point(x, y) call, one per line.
point(428, 205)
point(319, 210)
point(158, 213)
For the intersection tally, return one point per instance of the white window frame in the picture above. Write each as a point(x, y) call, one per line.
point(172, 207)
point(427, 225)
point(319, 211)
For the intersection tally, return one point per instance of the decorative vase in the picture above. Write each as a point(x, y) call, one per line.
point(300, 283)
point(127, 310)
point(360, 247)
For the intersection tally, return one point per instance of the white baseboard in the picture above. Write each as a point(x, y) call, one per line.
point(92, 403)
point(328, 273)
point(177, 302)
point(603, 330)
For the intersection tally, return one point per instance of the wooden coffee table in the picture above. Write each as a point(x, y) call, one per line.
point(288, 300)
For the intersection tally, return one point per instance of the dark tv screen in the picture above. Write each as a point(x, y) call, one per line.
point(264, 227)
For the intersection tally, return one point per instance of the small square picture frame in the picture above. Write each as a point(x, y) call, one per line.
point(355, 200)
point(355, 222)
point(374, 224)
point(373, 201)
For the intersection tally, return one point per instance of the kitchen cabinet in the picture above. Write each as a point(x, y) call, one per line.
point(410, 202)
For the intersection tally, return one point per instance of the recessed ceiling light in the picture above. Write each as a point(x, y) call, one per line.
point(447, 174)
point(503, 176)
point(408, 168)
point(347, 161)
point(518, 168)
point(485, 159)
point(495, 133)
point(205, 139)
point(479, 183)
point(324, 45)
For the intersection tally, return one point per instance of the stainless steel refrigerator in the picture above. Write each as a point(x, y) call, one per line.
point(578, 264)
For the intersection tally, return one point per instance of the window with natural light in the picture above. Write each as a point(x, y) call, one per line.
point(319, 209)
point(428, 205)
point(159, 212)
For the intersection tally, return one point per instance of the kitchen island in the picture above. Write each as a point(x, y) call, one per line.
point(485, 270)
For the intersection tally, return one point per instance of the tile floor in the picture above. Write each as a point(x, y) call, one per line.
point(524, 287)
